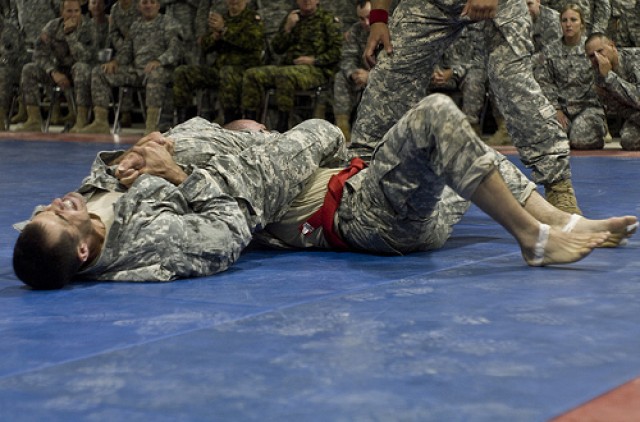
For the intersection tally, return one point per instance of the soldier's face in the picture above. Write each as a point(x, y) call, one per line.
point(96, 7)
point(571, 24)
point(149, 9)
point(534, 8)
point(236, 6)
point(605, 48)
point(70, 9)
point(66, 214)
point(307, 7)
point(363, 15)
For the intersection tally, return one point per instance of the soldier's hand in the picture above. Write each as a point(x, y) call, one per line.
point(305, 60)
point(562, 119)
point(151, 66)
point(158, 162)
point(129, 167)
point(604, 65)
point(292, 20)
point(60, 79)
point(378, 36)
point(216, 22)
point(110, 67)
point(70, 24)
point(360, 77)
point(478, 10)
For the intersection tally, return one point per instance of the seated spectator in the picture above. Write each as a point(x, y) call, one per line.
point(63, 56)
point(146, 60)
point(12, 51)
point(353, 76)
point(618, 84)
point(595, 13)
point(100, 21)
point(309, 41)
point(568, 82)
point(238, 39)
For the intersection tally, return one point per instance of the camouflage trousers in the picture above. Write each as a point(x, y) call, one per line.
point(346, 95)
point(9, 79)
point(285, 79)
point(226, 80)
point(155, 84)
point(419, 38)
point(630, 133)
point(79, 74)
point(587, 127)
point(420, 179)
point(474, 90)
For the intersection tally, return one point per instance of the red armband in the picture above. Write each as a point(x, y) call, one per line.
point(378, 15)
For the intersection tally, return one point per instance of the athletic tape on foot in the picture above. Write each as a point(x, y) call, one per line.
point(541, 245)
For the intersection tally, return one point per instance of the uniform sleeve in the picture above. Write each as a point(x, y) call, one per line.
point(546, 79)
point(175, 45)
point(43, 54)
point(351, 59)
point(330, 56)
point(623, 91)
point(249, 35)
point(82, 42)
point(601, 15)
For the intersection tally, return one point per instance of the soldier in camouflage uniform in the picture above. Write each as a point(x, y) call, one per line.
point(200, 213)
point(184, 12)
point(596, 13)
point(63, 56)
point(12, 51)
point(350, 81)
point(568, 82)
point(123, 14)
point(618, 84)
point(420, 38)
point(100, 21)
point(309, 42)
point(238, 39)
point(147, 60)
point(624, 24)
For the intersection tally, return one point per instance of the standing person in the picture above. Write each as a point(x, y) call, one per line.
point(63, 56)
point(420, 31)
point(146, 60)
point(353, 76)
point(309, 41)
point(618, 84)
point(12, 52)
point(624, 24)
point(238, 39)
point(195, 219)
point(568, 82)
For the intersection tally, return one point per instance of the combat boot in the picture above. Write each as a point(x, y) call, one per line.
point(100, 122)
point(153, 117)
point(33, 122)
point(81, 119)
point(501, 137)
point(562, 196)
point(21, 115)
point(343, 122)
point(125, 119)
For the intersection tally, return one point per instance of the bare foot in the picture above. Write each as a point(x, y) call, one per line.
point(619, 228)
point(558, 247)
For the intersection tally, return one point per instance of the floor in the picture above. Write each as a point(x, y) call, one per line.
point(467, 333)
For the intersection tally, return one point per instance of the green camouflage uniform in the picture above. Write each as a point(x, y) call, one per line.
point(162, 232)
point(72, 54)
point(317, 35)
point(12, 51)
point(240, 47)
point(568, 82)
point(620, 93)
point(159, 39)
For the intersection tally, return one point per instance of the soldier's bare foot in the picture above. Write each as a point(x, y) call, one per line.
point(554, 246)
point(619, 228)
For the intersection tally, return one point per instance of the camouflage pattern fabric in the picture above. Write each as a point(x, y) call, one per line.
point(568, 82)
point(419, 181)
point(120, 21)
point(596, 13)
point(624, 24)
point(620, 93)
point(239, 48)
point(12, 50)
point(546, 28)
point(32, 15)
point(71, 54)
point(162, 232)
point(345, 93)
point(184, 12)
point(419, 39)
point(161, 40)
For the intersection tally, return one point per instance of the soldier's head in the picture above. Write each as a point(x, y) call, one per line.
point(96, 7)
point(363, 9)
point(534, 8)
point(149, 9)
point(70, 9)
point(599, 43)
point(236, 6)
point(52, 247)
point(572, 22)
point(307, 7)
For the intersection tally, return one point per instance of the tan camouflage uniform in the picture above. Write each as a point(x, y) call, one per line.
point(620, 93)
point(568, 82)
point(32, 15)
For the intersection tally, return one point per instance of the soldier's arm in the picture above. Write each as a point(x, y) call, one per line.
point(624, 91)
point(546, 79)
point(14, 47)
point(43, 54)
point(82, 42)
point(601, 15)
point(351, 57)
point(175, 43)
point(332, 46)
point(247, 36)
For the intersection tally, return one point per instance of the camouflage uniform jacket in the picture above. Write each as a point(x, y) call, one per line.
point(120, 21)
point(317, 35)
point(467, 51)
point(241, 44)
point(567, 79)
point(64, 50)
point(546, 29)
point(160, 39)
point(621, 89)
point(353, 50)
point(184, 12)
point(32, 15)
point(12, 46)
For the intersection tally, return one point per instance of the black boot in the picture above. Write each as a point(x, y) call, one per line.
point(283, 121)
point(251, 115)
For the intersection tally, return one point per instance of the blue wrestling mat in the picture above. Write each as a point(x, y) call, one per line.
point(467, 333)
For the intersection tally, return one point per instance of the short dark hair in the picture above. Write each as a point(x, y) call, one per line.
point(42, 263)
point(362, 3)
point(598, 35)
